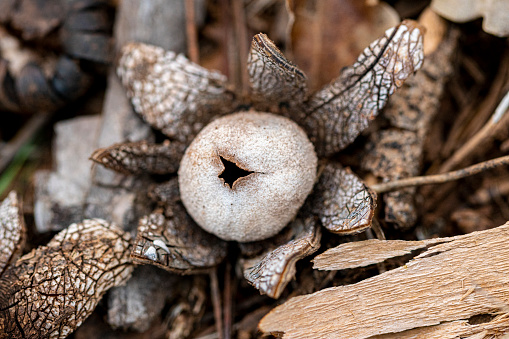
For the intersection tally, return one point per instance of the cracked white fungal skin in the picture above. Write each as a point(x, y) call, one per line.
point(280, 164)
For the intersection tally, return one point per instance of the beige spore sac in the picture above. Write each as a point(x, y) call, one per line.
point(245, 176)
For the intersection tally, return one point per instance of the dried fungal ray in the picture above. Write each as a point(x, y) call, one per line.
point(172, 240)
point(338, 113)
point(272, 77)
point(342, 202)
point(50, 291)
point(141, 157)
point(12, 231)
point(171, 93)
point(273, 270)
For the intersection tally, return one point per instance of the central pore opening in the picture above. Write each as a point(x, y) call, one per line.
point(232, 172)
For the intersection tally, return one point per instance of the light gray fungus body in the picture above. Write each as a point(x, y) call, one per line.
point(246, 175)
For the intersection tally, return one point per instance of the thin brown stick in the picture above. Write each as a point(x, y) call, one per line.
point(216, 303)
point(191, 32)
point(227, 305)
point(440, 178)
point(242, 44)
point(485, 132)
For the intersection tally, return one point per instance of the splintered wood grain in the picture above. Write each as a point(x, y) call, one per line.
point(449, 282)
point(368, 252)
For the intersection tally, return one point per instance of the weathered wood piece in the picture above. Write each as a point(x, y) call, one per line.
point(449, 282)
point(136, 305)
point(60, 194)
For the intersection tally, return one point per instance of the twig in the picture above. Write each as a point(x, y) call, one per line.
point(441, 178)
point(227, 307)
point(192, 36)
point(216, 303)
point(479, 137)
point(239, 17)
point(27, 132)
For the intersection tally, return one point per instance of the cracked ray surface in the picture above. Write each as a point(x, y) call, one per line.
point(141, 157)
point(172, 240)
point(338, 113)
point(271, 271)
point(176, 243)
point(272, 77)
point(342, 202)
point(12, 231)
point(50, 291)
point(171, 93)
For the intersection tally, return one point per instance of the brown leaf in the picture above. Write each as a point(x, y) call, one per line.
point(327, 35)
point(446, 283)
point(174, 242)
point(273, 78)
point(12, 231)
point(342, 202)
point(274, 269)
point(338, 113)
point(141, 157)
point(50, 291)
point(171, 93)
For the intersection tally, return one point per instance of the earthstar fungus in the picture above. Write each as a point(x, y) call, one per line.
point(180, 98)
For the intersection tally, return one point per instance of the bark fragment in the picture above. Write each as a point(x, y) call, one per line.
point(51, 290)
point(339, 112)
point(342, 202)
point(446, 283)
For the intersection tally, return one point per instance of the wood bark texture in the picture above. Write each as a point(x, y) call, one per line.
point(444, 286)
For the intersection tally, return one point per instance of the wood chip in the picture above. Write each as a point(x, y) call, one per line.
point(427, 291)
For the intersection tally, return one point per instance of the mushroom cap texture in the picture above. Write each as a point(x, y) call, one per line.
point(256, 206)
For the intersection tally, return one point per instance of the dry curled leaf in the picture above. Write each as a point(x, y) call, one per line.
point(171, 93)
point(335, 115)
point(273, 78)
point(141, 157)
point(12, 231)
point(274, 269)
point(50, 291)
point(342, 202)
